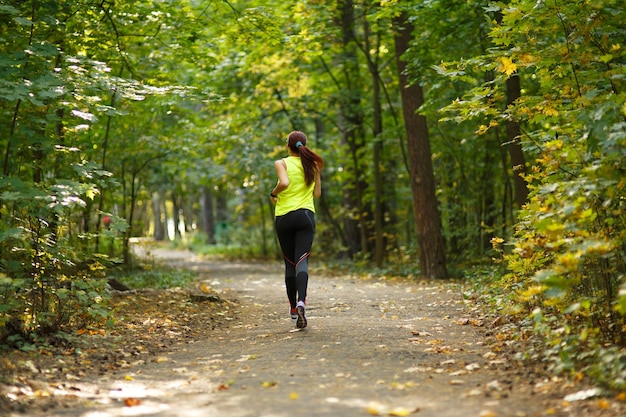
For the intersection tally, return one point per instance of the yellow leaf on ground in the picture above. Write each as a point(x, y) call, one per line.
point(293, 396)
point(399, 412)
point(375, 408)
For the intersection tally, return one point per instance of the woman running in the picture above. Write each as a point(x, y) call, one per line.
point(299, 180)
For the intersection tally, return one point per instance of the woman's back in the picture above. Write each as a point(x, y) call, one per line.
point(298, 194)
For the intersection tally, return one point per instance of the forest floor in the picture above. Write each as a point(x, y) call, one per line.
point(227, 347)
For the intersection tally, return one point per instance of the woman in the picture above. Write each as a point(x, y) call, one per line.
point(299, 180)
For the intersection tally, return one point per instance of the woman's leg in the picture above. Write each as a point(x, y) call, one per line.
point(286, 239)
point(303, 243)
point(295, 233)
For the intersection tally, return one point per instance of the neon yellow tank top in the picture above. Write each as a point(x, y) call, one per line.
point(297, 195)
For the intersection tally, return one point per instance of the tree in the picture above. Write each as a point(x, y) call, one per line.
point(429, 237)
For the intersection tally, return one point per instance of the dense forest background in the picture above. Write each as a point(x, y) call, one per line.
point(461, 139)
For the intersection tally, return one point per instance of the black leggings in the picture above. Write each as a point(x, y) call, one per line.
point(295, 231)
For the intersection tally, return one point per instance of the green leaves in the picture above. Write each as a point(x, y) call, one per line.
point(567, 262)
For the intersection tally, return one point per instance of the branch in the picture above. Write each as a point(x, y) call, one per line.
point(117, 37)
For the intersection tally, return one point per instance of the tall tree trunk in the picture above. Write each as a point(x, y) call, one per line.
point(429, 237)
point(355, 227)
point(372, 65)
point(208, 216)
point(129, 202)
point(103, 164)
point(158, 215)
point(223, 218)
point(488, 207)
point(513, 91)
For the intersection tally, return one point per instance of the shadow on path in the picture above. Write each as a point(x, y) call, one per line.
point(372, 347)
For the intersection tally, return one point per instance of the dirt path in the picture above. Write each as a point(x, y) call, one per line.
point(371, 348)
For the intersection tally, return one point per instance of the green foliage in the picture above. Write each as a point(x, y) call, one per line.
point(58, 60)
point(567, 264)
point(48, 282)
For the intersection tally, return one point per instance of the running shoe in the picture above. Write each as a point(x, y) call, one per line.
point(294, 314)
point(301, 320)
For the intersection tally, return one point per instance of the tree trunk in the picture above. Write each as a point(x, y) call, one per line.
point(223, 218)
point(356, 216)
point(516, 153)
point(105, 148)
point(157, 217)
point(488, 206)
point(429, 237)
point(208, 217)
point(372, 65)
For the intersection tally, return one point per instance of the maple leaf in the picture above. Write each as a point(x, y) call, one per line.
point(507, 66)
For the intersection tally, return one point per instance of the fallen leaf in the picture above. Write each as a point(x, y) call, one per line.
point(269, 384)
point(421, 369)
point(400, 386)
point(375, 408)
point(41, 393)
point(131, 402)
point(603, 404)
point(458, 373)
point(293, 396)
point(477, 323)
point(472, 367)
point(399, 412)
point(494, 386)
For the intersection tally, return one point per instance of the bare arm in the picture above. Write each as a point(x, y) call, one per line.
point(317, 191)
point(283, 179)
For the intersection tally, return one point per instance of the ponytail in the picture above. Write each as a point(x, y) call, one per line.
point(311, 162)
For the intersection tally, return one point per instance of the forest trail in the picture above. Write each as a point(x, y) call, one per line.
point(372, 347)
